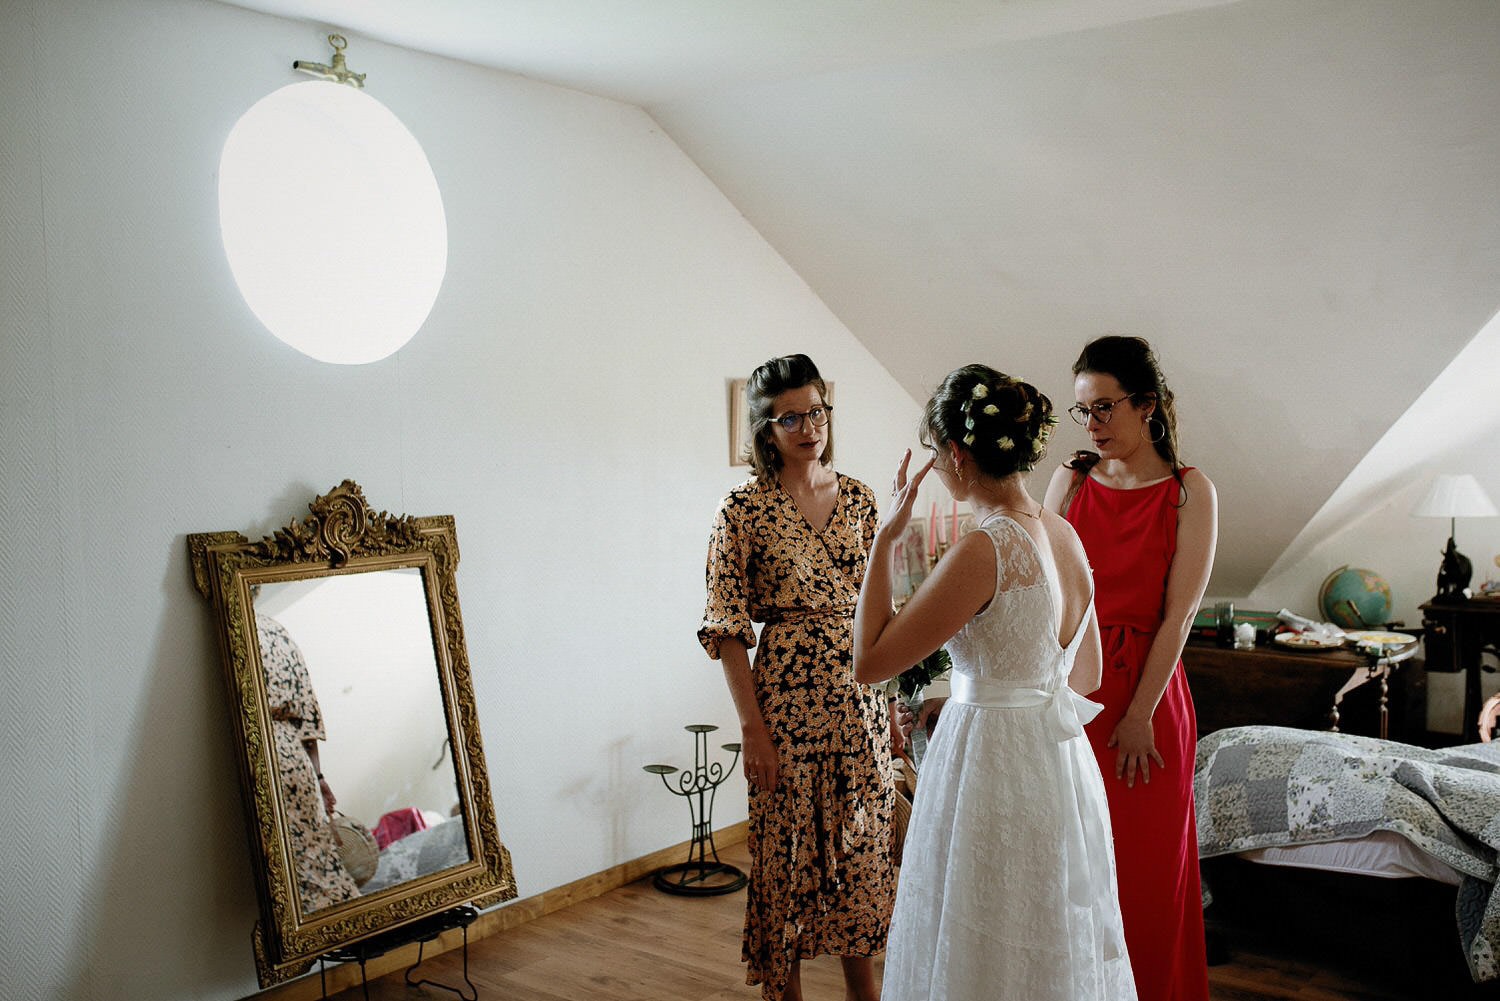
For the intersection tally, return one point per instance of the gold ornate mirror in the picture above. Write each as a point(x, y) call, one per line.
point(365, 786)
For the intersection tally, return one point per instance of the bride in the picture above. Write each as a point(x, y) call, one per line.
point(1008, 885)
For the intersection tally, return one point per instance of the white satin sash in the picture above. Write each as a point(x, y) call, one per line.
point(1087, 838)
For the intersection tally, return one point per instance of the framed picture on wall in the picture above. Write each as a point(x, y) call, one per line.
point(910, 558)
point(739, 434)
point(739, 431)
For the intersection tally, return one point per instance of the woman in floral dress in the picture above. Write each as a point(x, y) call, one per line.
point(789, 549)
point(307, 801)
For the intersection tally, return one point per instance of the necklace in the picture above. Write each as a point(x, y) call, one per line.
point(1012, 510)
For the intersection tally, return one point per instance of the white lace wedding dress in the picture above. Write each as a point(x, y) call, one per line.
point(1007, 890)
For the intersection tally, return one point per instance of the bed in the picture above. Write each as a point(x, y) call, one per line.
point(1340, 806)
point(420, 853)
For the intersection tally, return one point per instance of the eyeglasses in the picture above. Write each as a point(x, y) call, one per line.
point(792, 423)
point(1100, 412)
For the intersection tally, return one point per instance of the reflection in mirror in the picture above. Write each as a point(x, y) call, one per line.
point(366, 789)
point(356, 708)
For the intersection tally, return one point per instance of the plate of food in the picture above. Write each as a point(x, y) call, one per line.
point(1307, 641)
point(1379, 637)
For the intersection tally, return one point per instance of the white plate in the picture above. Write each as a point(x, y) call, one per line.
point(1377, 637)
point(1301, 641)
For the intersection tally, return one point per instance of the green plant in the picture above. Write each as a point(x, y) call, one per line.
point(923, 673)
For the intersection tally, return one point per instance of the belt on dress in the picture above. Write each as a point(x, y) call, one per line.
point(776, 616)
point(1088, 840)
point(1125, 646)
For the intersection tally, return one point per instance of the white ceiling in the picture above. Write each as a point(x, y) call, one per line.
point(1295, 200)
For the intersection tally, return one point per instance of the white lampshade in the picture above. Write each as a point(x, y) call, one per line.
point(1455, 495)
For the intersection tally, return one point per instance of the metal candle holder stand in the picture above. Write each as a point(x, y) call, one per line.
point(702, 875)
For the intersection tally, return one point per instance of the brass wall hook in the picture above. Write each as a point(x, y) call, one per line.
point(339, 71)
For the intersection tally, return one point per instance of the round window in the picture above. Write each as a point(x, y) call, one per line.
point(332, 222)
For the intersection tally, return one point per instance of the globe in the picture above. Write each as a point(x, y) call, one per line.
point(1353, 598)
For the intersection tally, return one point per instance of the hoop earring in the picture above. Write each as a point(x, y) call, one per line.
point(1161, 425)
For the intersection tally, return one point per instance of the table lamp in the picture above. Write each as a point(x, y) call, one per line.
point(1452, 496)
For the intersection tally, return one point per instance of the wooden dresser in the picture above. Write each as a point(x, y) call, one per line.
point(1273, 686)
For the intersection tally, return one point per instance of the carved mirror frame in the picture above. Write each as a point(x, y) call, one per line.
point(344, 536)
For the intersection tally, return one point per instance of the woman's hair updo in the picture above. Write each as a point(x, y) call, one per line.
point(1002, 421)
point(768, 381)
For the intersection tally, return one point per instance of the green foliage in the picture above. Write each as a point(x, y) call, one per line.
point(919, 676)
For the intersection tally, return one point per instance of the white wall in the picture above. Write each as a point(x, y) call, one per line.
point(565, 402)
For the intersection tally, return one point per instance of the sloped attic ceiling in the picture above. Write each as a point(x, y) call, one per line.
point(1295, 200)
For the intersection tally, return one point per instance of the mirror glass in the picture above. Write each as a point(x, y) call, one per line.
point(350, 668)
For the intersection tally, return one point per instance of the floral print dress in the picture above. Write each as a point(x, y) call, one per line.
point(821, 876)
point(322, 880)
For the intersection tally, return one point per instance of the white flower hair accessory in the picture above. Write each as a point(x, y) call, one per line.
point(981, 391)
point(968, 439)
point(1004, 443)
point(991, 409)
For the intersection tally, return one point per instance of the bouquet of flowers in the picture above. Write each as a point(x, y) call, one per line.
point(910, 682)
point(908, 686)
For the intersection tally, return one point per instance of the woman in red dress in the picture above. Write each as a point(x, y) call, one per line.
point(1149, 525)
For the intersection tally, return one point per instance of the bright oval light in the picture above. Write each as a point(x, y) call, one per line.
point(332, 222)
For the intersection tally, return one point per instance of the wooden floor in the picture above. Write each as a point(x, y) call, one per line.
point(638, 944)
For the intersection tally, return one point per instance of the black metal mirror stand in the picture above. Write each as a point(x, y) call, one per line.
point(702, 875)
point(420, 932)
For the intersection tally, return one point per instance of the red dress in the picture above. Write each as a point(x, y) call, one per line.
point(1130, 537)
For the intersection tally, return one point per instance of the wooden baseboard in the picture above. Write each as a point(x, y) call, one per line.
point(346, 975)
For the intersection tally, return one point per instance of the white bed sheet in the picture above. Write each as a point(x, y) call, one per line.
point(1384, 854)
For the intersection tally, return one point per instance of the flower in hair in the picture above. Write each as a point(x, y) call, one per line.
point(1005, 444)
point(991, 409)
point(981, 391)
point(968, 439)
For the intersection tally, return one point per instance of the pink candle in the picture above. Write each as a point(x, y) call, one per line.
point(932, 527)
point(953, 528)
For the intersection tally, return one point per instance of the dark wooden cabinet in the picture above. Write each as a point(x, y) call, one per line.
point(1276, 687)
point(1456, 636)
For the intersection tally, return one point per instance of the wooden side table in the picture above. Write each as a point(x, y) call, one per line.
point(1315, 690)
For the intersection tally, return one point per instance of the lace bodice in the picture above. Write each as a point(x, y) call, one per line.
point(1014, 640)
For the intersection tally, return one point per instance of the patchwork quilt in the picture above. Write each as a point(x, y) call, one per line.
point(1265, 786)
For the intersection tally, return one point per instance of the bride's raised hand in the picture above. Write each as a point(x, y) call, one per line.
point(904, 494)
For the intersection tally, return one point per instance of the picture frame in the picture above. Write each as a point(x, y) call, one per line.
point(911, 560)
point(739, 431)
